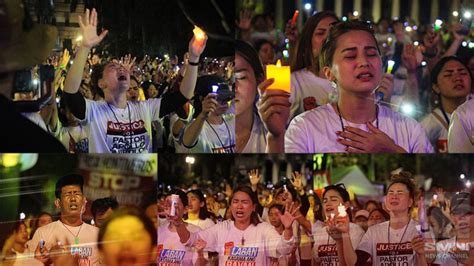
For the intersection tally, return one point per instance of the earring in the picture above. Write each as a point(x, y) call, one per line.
point(334, 94)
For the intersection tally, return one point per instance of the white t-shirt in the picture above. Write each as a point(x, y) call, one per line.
point(257, 142)
point(171, 252)
point(443, 257)
point(254, 245)
point(376, 243)
point(56, 231)
point(436, 131)
point(215, 138)
point(202, 224)
point(315, 131)
point(325, 249)
point(308, 91)
point(75, 139)
point(461, 129)
point(109, 126)
point(36, 118)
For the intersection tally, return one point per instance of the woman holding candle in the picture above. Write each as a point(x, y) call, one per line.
point(252, 105)
point(328, 239)
point(396, 240)
point(244, 237)
point(351, 60)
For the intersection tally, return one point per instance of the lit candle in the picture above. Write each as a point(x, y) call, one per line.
point(341, 210)
point(281, 74)
point(391, 63)
point(198, 33)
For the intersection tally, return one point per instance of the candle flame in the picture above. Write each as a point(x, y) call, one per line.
point(199, 33)
point(278, 63)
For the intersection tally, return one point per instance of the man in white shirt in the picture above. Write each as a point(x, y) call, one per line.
point(69, 232)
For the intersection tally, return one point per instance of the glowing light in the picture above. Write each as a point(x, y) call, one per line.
point(467, 15)
point(355, 13)
point(308, 6)
point(190, 159)
point(79, 38)
point(455, 13)
point(344, 18)
point(438, 22)
point(464, 44)
point(408, 29)
point(92, 222)
point(22, 216)
point(199, 34)
point(390, 63)
point(462, 176)
point(468, 183)
point(286, 54)
point(423, 63)
point(416, 43)
point(470, 45)
point(408, 109)
point(35, 81)
point(71, 62)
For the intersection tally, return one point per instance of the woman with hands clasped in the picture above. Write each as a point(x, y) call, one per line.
point(244, 237)
point(350, 58)
point(329, 240)
point(398, 240)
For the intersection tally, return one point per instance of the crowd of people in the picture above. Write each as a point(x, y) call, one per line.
point(94, 102)
point(292, 224)
point(356, 86)
point(115, 234)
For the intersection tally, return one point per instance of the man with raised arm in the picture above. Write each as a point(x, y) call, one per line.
point(116, 125)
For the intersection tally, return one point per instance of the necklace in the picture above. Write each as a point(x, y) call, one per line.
point(342, 122)
point(401, 239)
point(76, 237)
point(129, 146)
point(228, 134)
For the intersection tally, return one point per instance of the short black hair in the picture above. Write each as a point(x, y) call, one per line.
point(69, 179)
point(100, 206)
point(122, 212)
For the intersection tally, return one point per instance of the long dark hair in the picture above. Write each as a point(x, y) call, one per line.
point(203, 212)
point(254, 219)
point(317, 202)
point(304, 51)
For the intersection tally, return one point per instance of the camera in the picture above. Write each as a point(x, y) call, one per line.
point(224, 94)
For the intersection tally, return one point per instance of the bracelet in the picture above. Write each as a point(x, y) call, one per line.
point(193, 63)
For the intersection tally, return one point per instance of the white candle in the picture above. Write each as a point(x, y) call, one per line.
point(341, 210)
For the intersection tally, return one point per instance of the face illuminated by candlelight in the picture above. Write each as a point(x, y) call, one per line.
point(245, 85)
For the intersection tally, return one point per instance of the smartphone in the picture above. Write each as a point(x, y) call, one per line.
point(465, 25)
